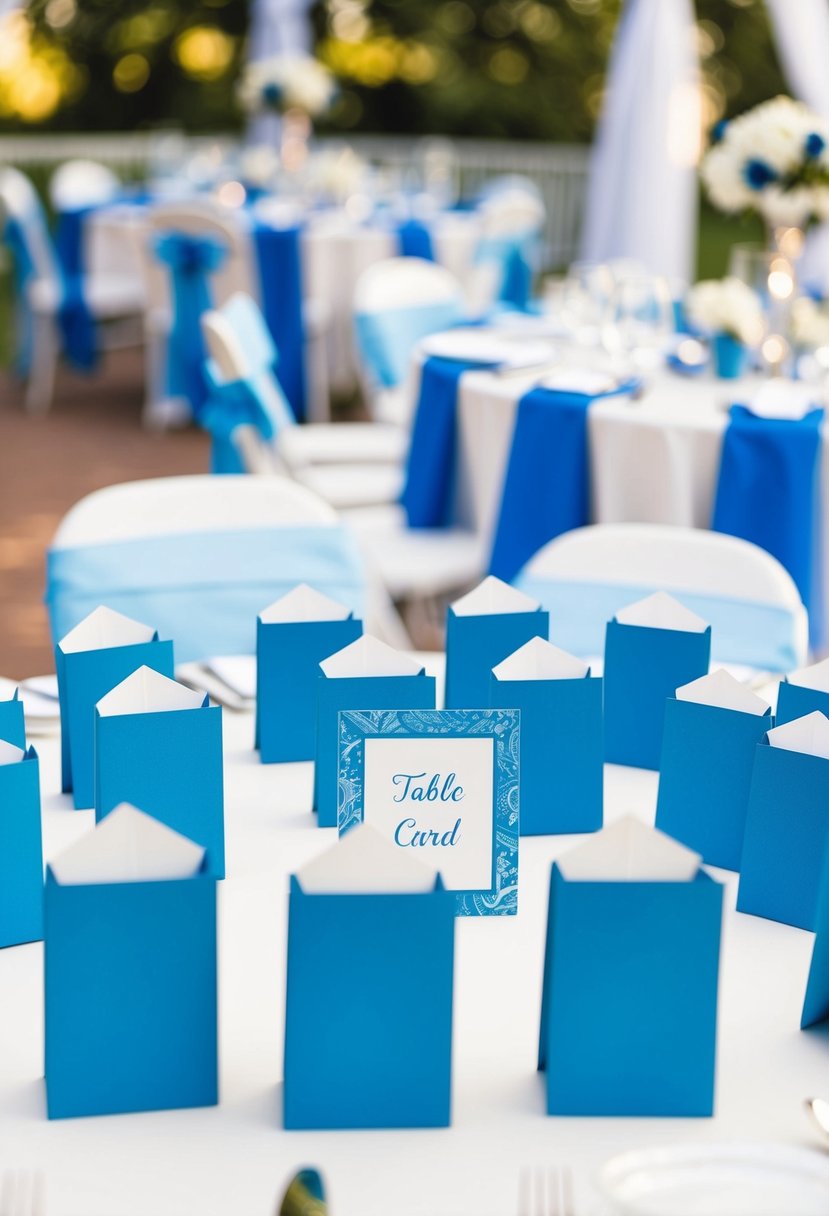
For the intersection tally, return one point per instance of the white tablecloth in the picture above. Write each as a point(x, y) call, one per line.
point(233, 1159)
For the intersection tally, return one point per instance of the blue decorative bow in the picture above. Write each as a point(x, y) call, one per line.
point(230, 405)
point(191, 260)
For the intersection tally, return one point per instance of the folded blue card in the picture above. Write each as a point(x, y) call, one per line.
point(131, 1021)
point(795, 701)
point(12, 724)
point(84, 676)
point(476, 642)
point(816, 1001)
point(21, 852)
point(287, 667)
point(786, 834)
point(629, 1026)
point(705, 777)
point(168, 762)
point(561, 752)
point(368, 1019)
point(335, 693)
point(643, 666)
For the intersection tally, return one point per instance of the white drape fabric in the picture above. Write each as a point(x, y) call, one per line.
point(801, 33)
point(642, 192)
point(279, 27)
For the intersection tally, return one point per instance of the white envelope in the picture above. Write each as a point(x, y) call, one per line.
point(538, 659)
point(368, 656)
point(128, 846)
point(809, 734)
point(720, 689)
point(816, 676)
point(365, 862)
point(629, 851)
point(9, 754)
point(779, 398)
point(304, 603)
point(493, 597)
point(103, 629)
point(146, 691)
point(661, 611)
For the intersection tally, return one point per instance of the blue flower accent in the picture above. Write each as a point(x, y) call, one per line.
point(758, 174)
point(718, 131)
point(272, 94)
point(814, 145)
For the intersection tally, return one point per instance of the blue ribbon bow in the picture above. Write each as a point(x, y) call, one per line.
point(232, 404)
point(191, 259)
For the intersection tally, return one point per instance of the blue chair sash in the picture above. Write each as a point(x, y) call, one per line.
point(429, 492)
point(515, 255)
point(202, 589)
point(279, 258)
point(547, 484)
point(387, 339)
point(69, 239)
point(742, 632)
point(231, 404)
point(768, 490)
point(414, 240)
point(24, 273)
point(191, 259)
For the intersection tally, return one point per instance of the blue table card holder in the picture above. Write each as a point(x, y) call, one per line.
point(130, 972)
point(12, 723)
point(90, 660)
point(370, 973)
point(712, 728)
point(562, 745)
point(651, 649)
point(816, 999)
point(628, 1025)
point(21, 850)
point(482, 628)
point(293, 636)
point(802, 692)
point(787, 823)
point(368, 674)
point(158, 745)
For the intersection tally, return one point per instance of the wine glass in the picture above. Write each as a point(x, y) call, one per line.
point(639, 322)
point(584, 300)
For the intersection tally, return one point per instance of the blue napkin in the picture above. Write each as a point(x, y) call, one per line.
point(191, 260)
point(768, 485)
point(280, 275)
point(430, 473)
point(414, 240)
point(547, 484)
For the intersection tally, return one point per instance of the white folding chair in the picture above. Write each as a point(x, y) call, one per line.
point(397, 302)
point(181, 505)
point(109, 297)
point(348, 464)
point(690, 561)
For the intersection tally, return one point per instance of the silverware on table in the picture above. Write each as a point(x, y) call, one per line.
point(21, 1193)
point(304, 1195)
point(197, 677)
point(546, 1192)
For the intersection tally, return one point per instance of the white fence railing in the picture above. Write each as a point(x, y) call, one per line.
point(559, 170)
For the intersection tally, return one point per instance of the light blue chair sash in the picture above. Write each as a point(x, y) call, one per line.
point(231, 404)
point(202, 589)
point(429, 492)
point(742, 632)
point(191, 260)
point(414, 240)
point(386, 340)
point(768, 492)
point(547, 484)
point(279, 258)
point(515, 256)
point(75, 321)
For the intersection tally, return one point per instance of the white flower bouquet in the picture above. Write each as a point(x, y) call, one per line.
point(810, 323)
point(772, 160)
point(287, 82)
point(726, 306)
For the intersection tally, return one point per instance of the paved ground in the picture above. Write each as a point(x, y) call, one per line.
point(92, 438)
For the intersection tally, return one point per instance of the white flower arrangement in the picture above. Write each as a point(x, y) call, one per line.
point(726, 306)
point(810, 323)
point(287, 82)
point(773, 160)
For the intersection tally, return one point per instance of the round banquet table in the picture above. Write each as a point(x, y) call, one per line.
point(234, 1158)
point(652, 460)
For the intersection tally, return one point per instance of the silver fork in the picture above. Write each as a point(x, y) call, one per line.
point(543, 1192)
point(21, 1193)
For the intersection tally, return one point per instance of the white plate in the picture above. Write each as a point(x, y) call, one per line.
point(37, 709)
point(487, 347)
point(737, 1179)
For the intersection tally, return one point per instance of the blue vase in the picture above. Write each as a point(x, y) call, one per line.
point(730, 357)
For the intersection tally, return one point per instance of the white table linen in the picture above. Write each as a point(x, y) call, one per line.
point(236, 1157)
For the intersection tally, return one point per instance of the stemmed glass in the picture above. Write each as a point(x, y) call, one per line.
point(638, 322)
